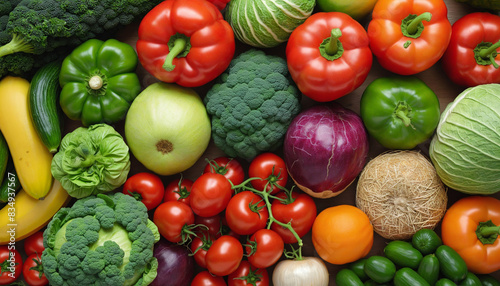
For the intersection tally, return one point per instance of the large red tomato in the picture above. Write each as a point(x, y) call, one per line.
point(267, 248)
point(247, 275)
point(204, 278)
point(228, 167)
point(172, 218)
point(210, 194)
point(246, 213)
point(178, 190)
point(145, 187)
point(224, 255)
point(11, 265)
point(271, 170)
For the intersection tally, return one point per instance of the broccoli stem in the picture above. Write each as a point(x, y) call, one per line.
point(17, 44)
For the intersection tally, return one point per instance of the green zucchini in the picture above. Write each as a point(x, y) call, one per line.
point(44, 106)
point(403, 254)
point(429, 268)
point(10, 182)
point(451, 264)
point(445, 282)
point(358, 267)
point(4, 156)
point(426, 241)
point(347, 277)
point(409, 277)
point(488, 280)
point(380, 269)
point(470, 280)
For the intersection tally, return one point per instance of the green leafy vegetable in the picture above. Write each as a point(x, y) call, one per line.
point(91, 160)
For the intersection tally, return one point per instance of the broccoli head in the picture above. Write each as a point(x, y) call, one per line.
point(101, 240)
point(252, 104)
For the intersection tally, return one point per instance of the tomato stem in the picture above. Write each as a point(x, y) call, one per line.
point(486, 52)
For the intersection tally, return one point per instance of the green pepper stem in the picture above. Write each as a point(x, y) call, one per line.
point(332, 48)
point(403, 112)
point(178, 47)
point(413, 25)
point(490, 53)
point(95, 82)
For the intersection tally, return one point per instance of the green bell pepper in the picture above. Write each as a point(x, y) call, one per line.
point(399, 112)
point(99, 82)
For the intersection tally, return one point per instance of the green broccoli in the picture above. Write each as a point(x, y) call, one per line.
point(252, 104)
point(101, 240)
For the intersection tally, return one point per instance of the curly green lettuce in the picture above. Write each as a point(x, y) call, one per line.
point(91, 160)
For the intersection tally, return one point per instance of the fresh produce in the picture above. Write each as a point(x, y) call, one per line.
point(476, 221)
point(407, 37)
point(488, 280)
point(33, 271)
point(185, 42)
point(11, 265)
point(204, 278)
point(429, 268)
point(266, 23)
point(146, 188)
point(37, 29)
point(403, 254)
point(247, 275)
point(399, 112)
point(470, 58)
point(25, 208)
point(356, 9)
point(347, 277)
point(210, 194)
point(107, 239)
point(10, 184)
point(251, 105)
point(228, 167)
point(221, 4)
point(451, 264)
point(178, 190)
point(482, 4)
point(224, 255)
point(91, 160)
point(466, 145)
point(325, 148)
point(426, 241)
point(33, 244)
point(328, 56)
point(342, 234)
point(401, 194)
point(174, 220)
point(246, 213)
point(4, 156)
point(408, 277)
point(271, 169)
point(99, 82)
point(306, 271)
point(380, 269)
point(265, 247)
point(174, 264)
point(31, 158)
point(167, 128)
point(358, 267)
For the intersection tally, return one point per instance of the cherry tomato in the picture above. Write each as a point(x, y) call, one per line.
point(300, 210)
point(178, 190)
point(228, 167)
point(270, 168)
point(33, 271)
point(210, 194)
point(213, 225)
point(246, 213)
point(11, 264)
point(172, 218)
point(204, 278)
point(224, 256)
point(145, 187)
point(199, 247)
point(247, 275)
point(34, 243)
point(267, 248)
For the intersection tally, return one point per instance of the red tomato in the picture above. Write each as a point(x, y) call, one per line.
point(300, 210)
point(271, 169)
point(267, 248)
point(228, 167)
point(34, 243)
point(11, 264)
point(172, 218)
point(199, 247)
point(204, 278)
point(33, 271)
point(246, 213)
point(145, 187)
point(210, 194)
point(224, 256)
point(247, 275)
point(178, 190)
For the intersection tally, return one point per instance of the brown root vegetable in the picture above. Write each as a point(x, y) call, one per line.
point(401, 194)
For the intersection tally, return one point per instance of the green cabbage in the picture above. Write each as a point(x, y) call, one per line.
point(466, 147)
point(91, 160)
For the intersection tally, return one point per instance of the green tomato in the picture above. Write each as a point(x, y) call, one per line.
point(356, 9)
point(399, 112)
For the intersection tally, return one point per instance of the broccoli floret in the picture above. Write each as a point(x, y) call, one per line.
point(252, 104)
point(101, 240)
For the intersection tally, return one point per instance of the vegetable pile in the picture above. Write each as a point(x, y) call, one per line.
point(234, 142)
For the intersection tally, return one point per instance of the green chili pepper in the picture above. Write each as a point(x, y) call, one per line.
point(99, 82)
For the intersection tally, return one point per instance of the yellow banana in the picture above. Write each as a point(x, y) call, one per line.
point(24, 215)
point(31, 158)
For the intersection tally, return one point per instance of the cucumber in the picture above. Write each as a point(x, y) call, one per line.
point(426, 241)
point(10, 182)
point(380, 269)
point(488, 280)
point(445, 282)
point(470, 280)
point(44, 106)
point(429, 268)
point(403, 254)
point(370, 282)
point(409, 277)
point(451, 264)
point(347, 277)
point(358, 267)
point(4, 156)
